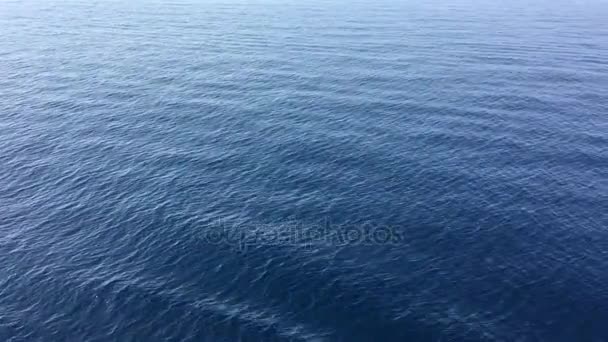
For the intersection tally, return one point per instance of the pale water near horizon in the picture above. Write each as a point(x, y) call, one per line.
point(179, 170)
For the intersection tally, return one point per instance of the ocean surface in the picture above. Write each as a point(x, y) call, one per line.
point(265, 170)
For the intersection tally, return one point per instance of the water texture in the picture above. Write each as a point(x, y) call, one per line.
point(198, 170)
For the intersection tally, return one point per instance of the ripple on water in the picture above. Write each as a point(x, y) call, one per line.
point(131, 133)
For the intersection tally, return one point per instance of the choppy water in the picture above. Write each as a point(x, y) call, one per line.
point(195, 170)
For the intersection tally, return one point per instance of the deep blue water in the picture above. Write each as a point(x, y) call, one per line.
point(264, 170)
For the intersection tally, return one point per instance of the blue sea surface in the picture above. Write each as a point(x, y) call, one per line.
point(313, 170)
